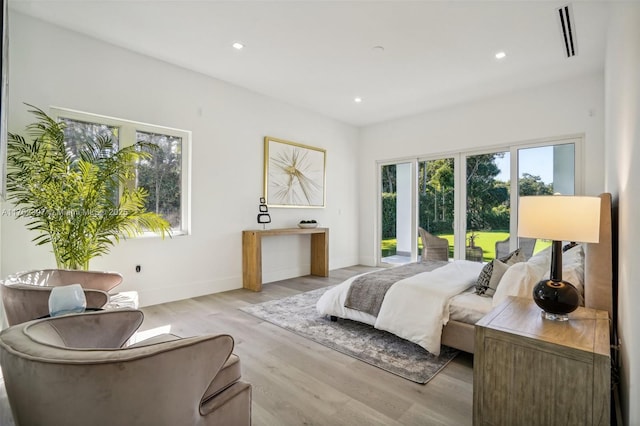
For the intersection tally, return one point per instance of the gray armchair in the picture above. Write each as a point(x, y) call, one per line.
point(26, 302)
point(433, 248)
point(95, 280)
point(72, 370)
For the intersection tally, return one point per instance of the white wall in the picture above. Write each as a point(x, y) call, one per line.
point(565, 108)
point(622, 158)
point(51, 66)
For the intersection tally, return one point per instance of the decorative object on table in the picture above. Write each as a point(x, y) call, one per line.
point(379, 348)
point(558, 218)
point(62, 192)
point(67, 299)
point(294, 174)
point(263, 217)
point(308, 224)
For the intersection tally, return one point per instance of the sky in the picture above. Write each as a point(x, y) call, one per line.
point(535, 161)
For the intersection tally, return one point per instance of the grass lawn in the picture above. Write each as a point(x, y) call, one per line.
point(486, 240)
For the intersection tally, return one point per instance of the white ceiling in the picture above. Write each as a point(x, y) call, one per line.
point(319, 54)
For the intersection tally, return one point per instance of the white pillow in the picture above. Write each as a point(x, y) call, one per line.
point(542, 258)
point(573, 267)
point(518, 281)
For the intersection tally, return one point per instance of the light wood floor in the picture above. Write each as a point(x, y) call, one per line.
point(299, 382)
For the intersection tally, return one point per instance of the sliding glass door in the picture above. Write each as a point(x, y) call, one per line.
point(436, 203)
point(469, 200)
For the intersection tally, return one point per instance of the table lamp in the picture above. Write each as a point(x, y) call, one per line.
point(558, 218)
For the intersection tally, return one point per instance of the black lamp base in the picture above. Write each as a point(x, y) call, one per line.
point(556, 298)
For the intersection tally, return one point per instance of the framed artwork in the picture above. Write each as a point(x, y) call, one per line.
point(294, 174)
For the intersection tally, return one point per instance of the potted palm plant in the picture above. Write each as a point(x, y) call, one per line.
point(81, 202)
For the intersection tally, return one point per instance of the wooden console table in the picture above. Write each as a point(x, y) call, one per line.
point(252, 253)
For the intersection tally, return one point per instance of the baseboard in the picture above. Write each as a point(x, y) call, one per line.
point(156, 296)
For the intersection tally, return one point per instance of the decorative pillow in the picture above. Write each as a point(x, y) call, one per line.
point(485, 275)
point(499, 268)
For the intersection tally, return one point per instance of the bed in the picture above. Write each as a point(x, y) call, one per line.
point(437, 303)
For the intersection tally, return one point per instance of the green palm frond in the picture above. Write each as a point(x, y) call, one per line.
point(75, 202)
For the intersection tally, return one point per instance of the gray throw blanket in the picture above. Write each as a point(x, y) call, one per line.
point(367, 292)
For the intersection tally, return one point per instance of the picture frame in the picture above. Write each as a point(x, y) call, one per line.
point(294, 174)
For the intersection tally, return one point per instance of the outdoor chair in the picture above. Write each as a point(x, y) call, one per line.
point(433, 248)
point(525, 244)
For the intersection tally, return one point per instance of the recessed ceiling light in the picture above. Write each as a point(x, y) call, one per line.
point(237, 45)
point(357, 100)
point(378, 49)
point(501, 55)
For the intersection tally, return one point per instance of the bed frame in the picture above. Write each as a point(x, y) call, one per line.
point(598, 277)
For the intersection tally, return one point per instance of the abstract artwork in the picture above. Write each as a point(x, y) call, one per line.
point(294, 174)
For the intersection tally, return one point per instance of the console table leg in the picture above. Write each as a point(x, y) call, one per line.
point(320, 254)
point(251, 261)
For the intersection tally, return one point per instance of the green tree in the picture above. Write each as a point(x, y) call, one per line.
point(389, 179)
point(160, 175)
point(436, 183)
point(483, 191)
point(533, 185)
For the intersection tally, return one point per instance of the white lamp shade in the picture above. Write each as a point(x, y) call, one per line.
point(560, 218)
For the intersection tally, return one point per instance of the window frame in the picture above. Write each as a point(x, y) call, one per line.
point(127, 136)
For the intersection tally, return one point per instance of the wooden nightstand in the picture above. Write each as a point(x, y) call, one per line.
point(531, 371)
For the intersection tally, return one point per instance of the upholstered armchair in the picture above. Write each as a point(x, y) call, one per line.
point(26, 302)
point(433, 248)
point(95, 280)
point(72, 370)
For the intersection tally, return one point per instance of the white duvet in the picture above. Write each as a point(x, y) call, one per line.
point(414, 308)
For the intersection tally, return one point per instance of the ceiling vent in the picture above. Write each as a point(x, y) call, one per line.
point(565, 15)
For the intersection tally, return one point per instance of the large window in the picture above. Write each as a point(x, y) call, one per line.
point(164, 175)
point(471, 199)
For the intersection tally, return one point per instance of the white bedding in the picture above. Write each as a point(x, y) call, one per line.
point(468, 307)
point(414, 308)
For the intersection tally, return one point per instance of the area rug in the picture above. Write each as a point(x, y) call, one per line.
point(376, 347)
